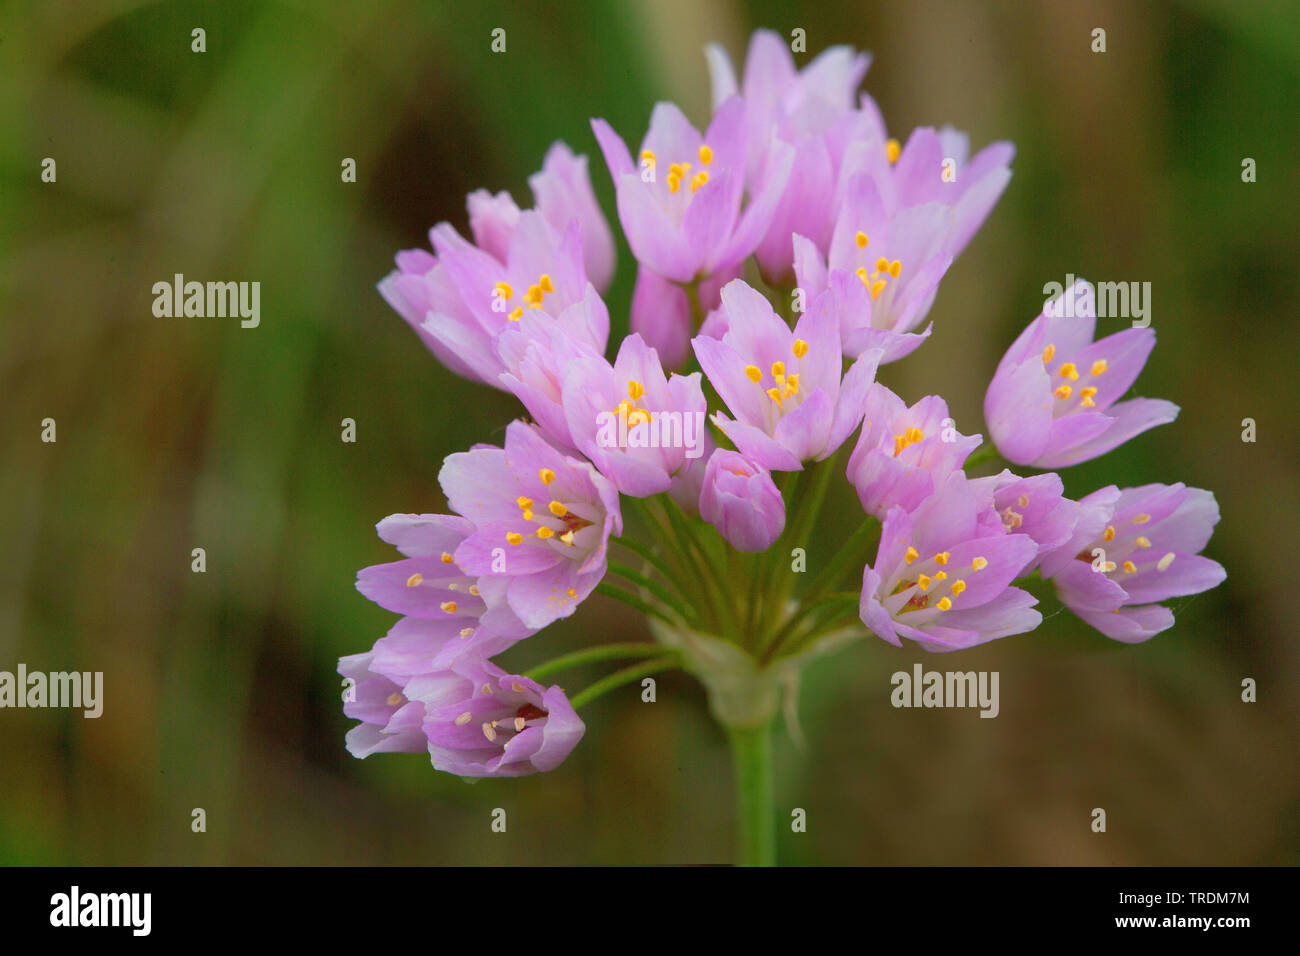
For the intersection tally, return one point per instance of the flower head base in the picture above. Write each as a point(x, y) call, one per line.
point(1054, 400)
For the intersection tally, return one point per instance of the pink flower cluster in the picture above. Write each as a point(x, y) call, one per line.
point(852, 233)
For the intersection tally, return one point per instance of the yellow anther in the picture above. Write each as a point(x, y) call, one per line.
point(778, 368)
point(466, 632)
point(1109, 533)
point(447, 558)
point(1023, 501)
point(698, 180)
point(648, 157)
point(1098, 366)
point(635, 389)
point(861, 239)
point(792, 385)
point(558, 509)
point(753, 373)
point(1164, 562)
point(1063, 392)
point(705, 154)
point(516, 313)
point(1048, 353)
point(895, 268)
point(877, 287)
point(865, 276)
point(395, 698)
point(473, 589)
point(911, 555)
point(507, 292)
point(514, 537)
point(1068, 370)
point(1143, 518)
point(448, 606)
point(567, 538)
point(882, 264)
point(1130, 567)
point(544, 532)
point(800, 348)
point(944, 604)
point(414, 580)
point(488, 732)
point(674, 183)
point(1143, 542)
point(892, 150)
point(527, 514)
point(942, 557)
point(638, 416)
point(464, 719)
point(572, 593)
point(544, 283)
point(1108, 566)
point(979, 564)
point(923, 583)
point(775, 395)
point(1086, 396)
point(546, 475)
point(958, 586)
point(524, 503)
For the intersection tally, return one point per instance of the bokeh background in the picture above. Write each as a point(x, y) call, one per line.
point(182, 433)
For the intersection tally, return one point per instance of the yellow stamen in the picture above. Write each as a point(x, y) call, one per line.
point(942, 557)
point(1109, 533)
point(516, 314)
point(544, 283)
point(1164, 562)
point(923, 583)
point(464, 719)
point(753, 373)
point(466, 632)
point(775, 395)
point(1130, 567)
point(558, 509)
point(877, 287)
point(448, 606)
point(1142, 518)
point(674, 183)
point(882, 264)
point(1069, 371)
point(447, 558)
point(1085, 396)
point(1143, 542)
point(778, 368)
point(544, 532)
point(514, 537)
point(861, 239)
point(1063, 392)
point(958, 586)
point(792, 385)
point(892, 150)
point(941, 575)
point(800, 348)
point(1098, 366)
point(648, 157)
point(523, 502)
point(635, 390)
point(488, 732)
point(414, 580)
point(528, 514)
point(1048, 353)
point(546, 475)
point(698, 180)
point(473, 589)
point(506, 290)
point(911, 555)
point(895, 268)
point(944, 604)
point(706, 154)
point(979, 564)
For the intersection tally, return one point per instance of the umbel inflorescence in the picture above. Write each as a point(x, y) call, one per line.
point(787, 253)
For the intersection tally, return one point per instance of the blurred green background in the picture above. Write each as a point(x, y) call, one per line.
point(183, 433)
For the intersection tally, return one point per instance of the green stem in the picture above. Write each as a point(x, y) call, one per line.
point(625, 676)
point(637, 603)
point(592, 655)
point(669, 600)
point(751, 757)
